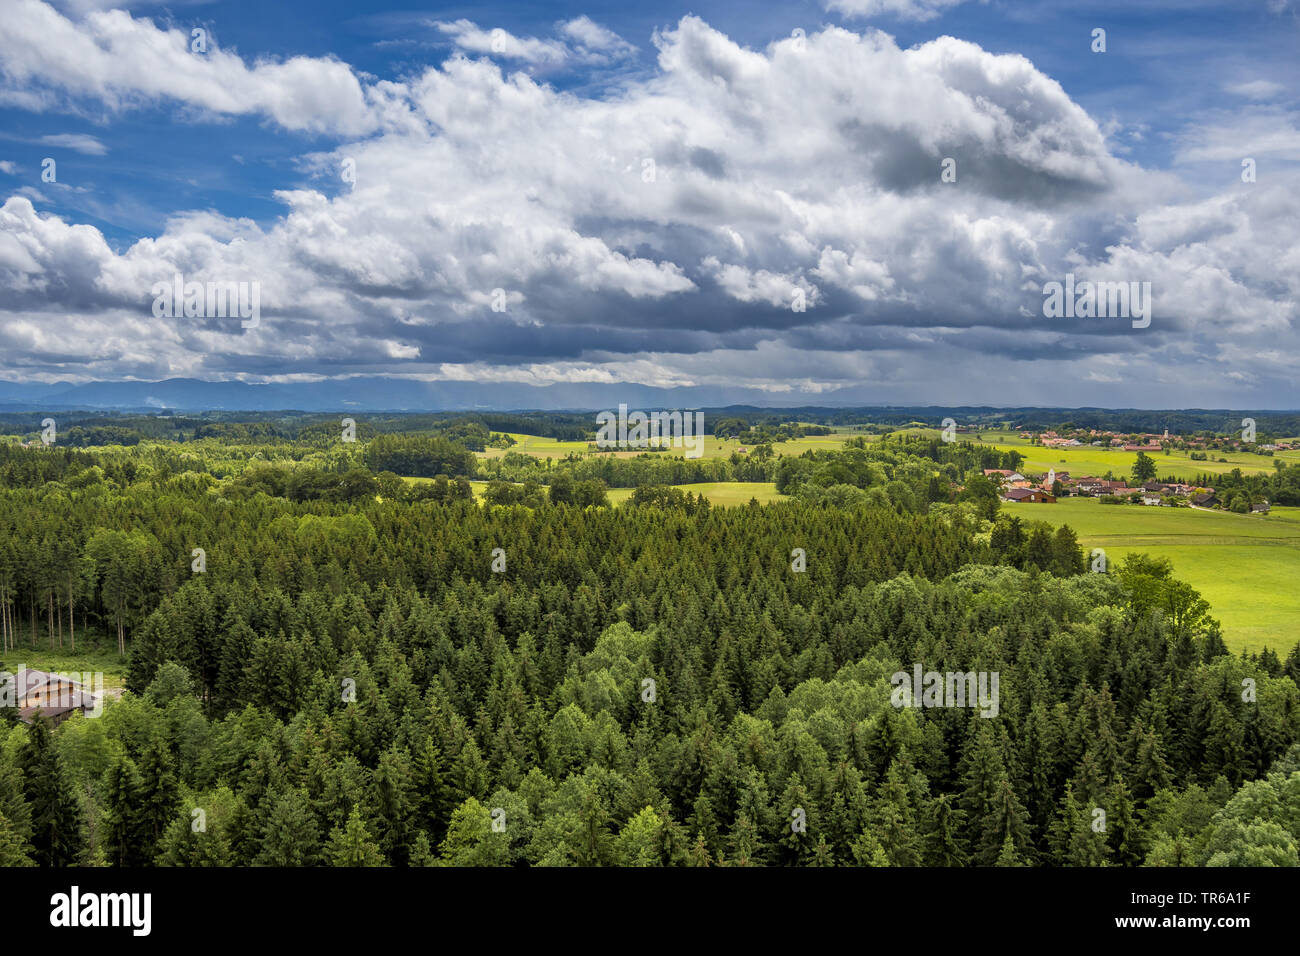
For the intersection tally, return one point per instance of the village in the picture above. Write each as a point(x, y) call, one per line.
point(1150, 441)
point(1045, 489)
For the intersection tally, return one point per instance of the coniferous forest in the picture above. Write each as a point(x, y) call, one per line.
point(370, 671)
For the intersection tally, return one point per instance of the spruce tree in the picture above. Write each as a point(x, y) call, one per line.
point(941, 845)
point(56, 819)
point(352, 846)
point(14, 848)
point(127, 842)
point(290, 836)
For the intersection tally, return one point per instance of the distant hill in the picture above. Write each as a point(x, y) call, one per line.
point(369, 394)
point(383, 394)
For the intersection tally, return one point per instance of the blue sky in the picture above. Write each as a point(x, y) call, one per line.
point(224, 165)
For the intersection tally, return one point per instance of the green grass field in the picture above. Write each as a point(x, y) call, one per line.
point(1087, 460)
point(1247, 567)
point(538, 446)
point(713, 447)
point(724, 493)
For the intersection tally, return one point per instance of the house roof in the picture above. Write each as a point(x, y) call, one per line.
point(33, 680)
point(74, 702)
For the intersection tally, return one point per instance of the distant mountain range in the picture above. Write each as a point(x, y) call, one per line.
point(381, 394)
point(378, 393)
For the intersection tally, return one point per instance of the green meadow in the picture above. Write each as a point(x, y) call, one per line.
point(1089, 460)
point(540, 447)
point(1246, 566)
point(724, 493)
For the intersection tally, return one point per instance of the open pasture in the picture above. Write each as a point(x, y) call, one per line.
point(1246, 566)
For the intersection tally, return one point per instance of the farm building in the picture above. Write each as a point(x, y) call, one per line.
point(1029, 494)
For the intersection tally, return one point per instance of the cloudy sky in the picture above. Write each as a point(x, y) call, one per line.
point(610, 192)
